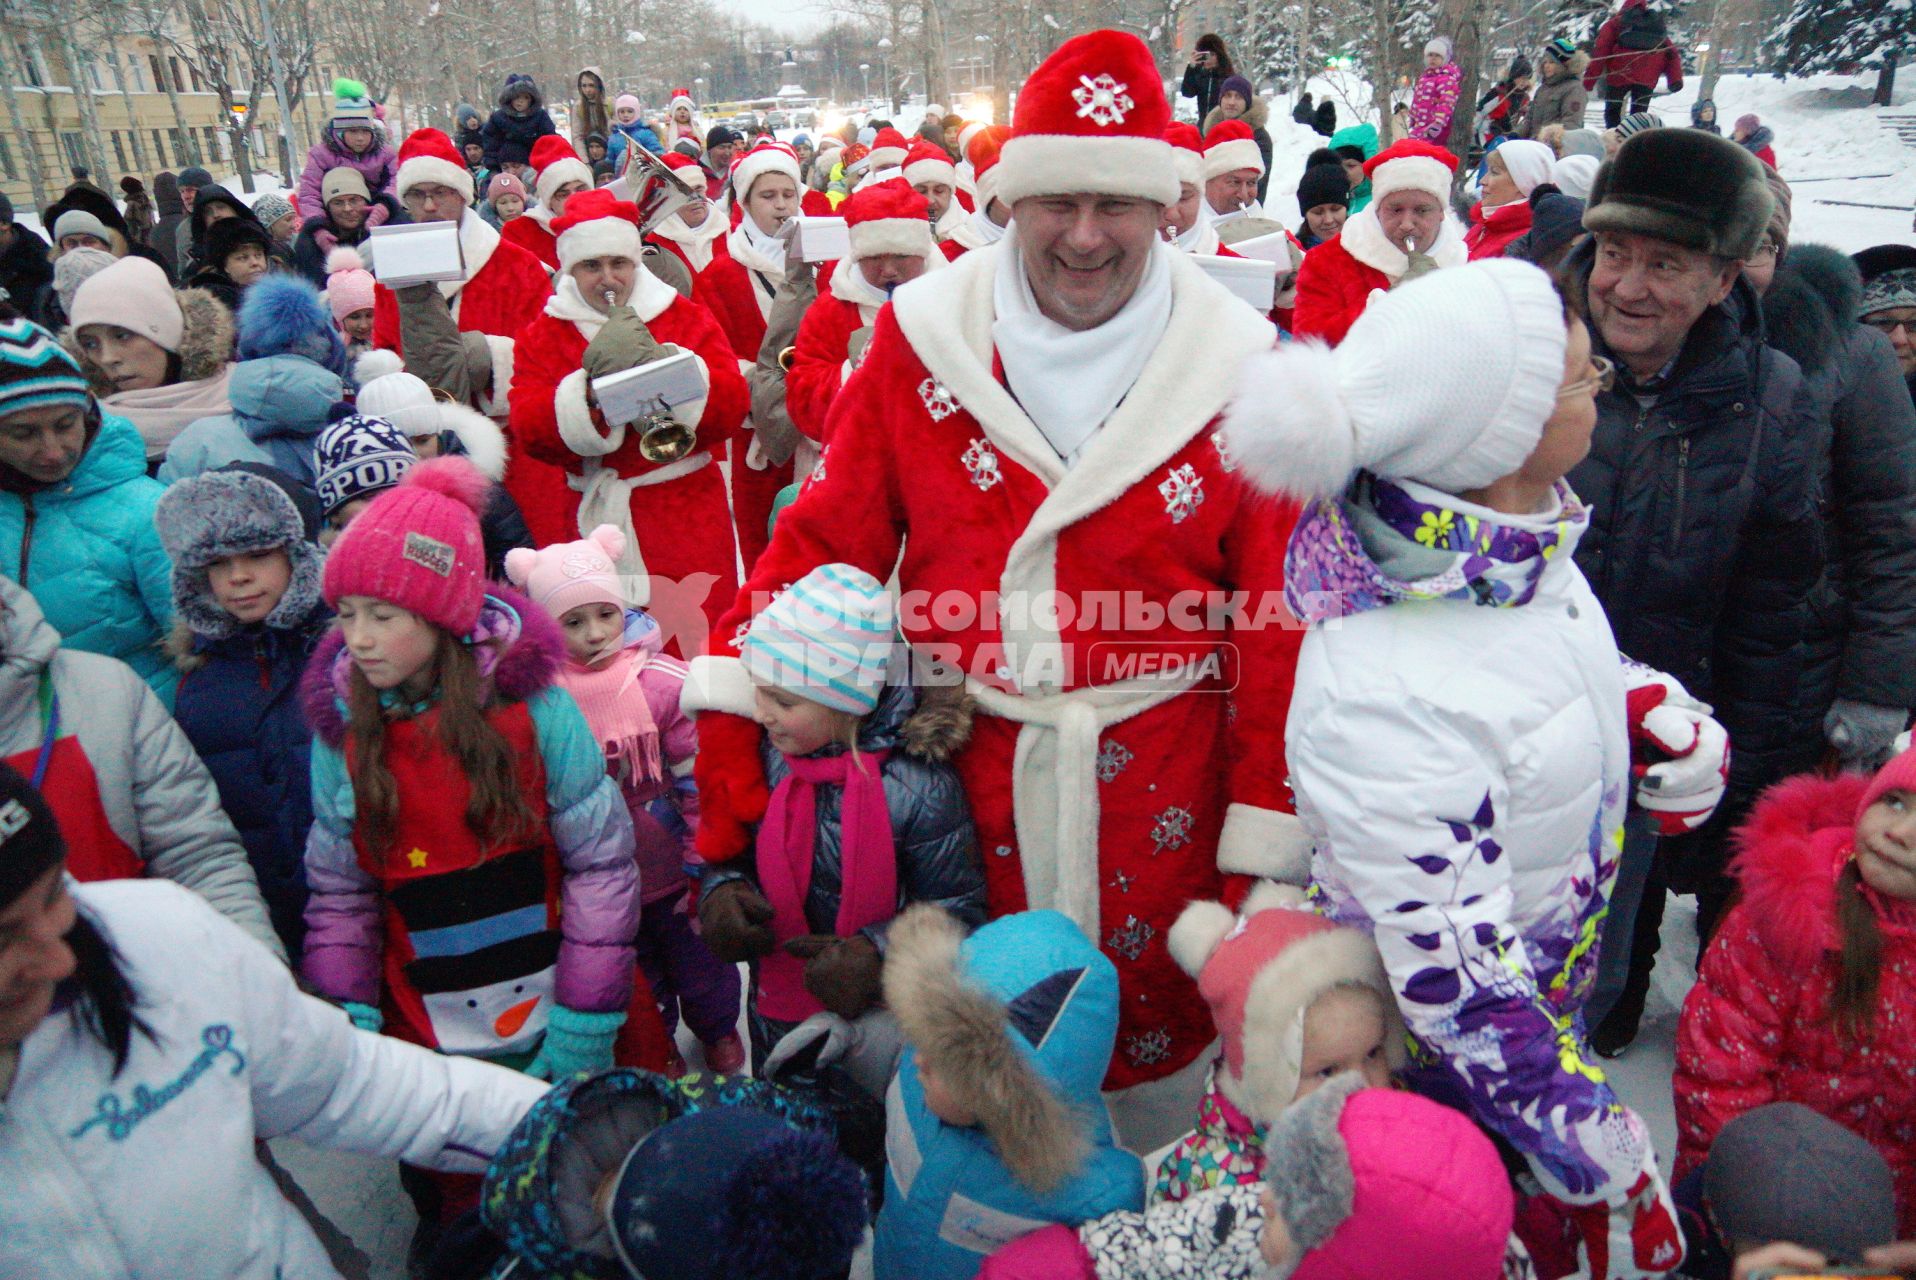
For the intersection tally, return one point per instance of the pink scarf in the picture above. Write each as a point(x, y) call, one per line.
point(619, 715)
point(785, 844)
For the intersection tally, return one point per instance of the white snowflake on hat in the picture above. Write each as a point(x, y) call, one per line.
point(1152, 1047)
point(1104, 100)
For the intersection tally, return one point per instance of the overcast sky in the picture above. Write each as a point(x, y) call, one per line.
point(798, 17)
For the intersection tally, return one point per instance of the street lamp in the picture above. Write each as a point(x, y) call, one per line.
point(865, 79)
point(884, 51)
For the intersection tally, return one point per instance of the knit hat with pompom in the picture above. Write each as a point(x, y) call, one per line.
point(349, 286)
point(417, 545)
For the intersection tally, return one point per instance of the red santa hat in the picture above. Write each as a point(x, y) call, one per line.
point(683, 98)
point(766, 157)
point(927, 162)
point(888, 217)
point(557, 164)
point(889, 149)
point(1411, 165)
point(1091, 121)
point(428, 155)
point(1187, 150)
point(971, 130)
point(983, 151)
point(1230, 146)
point(676, 159)
point(597, 224)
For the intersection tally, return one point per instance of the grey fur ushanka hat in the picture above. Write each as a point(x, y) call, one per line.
point(217, 514)
point(1686, 186)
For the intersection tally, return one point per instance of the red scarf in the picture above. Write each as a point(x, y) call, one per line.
point(786, 840)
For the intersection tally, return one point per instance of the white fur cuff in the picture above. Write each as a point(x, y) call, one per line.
point(1061, 165)
point(715, 683)
point(493, 403)
point(1264, 842)
point(576, 426)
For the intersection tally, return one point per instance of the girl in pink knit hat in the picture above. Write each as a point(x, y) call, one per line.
point(471, 864)
point(617, 672)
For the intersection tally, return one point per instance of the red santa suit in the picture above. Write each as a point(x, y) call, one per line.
point(673, 514)
point(983, 144)
point(694, 246)
point(927, 165)
point(738, 286)
point(504, 288)
point(557, 164)
point(1335, 283)
point(1113, 799)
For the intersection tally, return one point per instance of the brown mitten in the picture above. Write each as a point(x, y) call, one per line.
point(736, 922)
point(842, 972)
point(622, 343)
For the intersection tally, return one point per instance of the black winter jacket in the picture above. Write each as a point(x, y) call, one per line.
point(1205, 84)
point(1704, 542)
point(309, 252)
point(508, 138)
point(1862, 631)
point(25, 269)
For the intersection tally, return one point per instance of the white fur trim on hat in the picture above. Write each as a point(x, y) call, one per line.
point(886, 157)
point(1411, 173)
point(910, 236)
point(1190, 165)
point(1194, 939)
point(1229, 157)
point(758, 162)
point(557, 174)
point(931, 169)
point(598, 238)
point(1061, 165)
point(423, 169)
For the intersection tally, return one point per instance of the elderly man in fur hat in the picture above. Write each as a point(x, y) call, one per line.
point(1034, 427)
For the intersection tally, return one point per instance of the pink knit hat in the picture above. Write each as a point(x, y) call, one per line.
point(1898, 775)
point(565, 575)
point(417, 545)
point(1260, 972)
point(1379, 1184)
point(505, 184)
point(349, 286)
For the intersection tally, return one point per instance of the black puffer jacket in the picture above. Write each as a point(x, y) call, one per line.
point(1862, 636)
point(508, 137)
point(1704, 542)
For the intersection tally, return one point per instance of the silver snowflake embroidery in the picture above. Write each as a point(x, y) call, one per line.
point(1104, 100)
point(1122, 882)
point(1148, 1049)
point(1131, 938)
point(982, 462)
point(939, 402)
point(1112, 757)
point(818, 471)
point(1224, 458)
point(1172, 829)
point(1183, 492)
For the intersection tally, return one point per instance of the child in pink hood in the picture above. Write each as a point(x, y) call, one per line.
point(629, 691)
point(1434, 99)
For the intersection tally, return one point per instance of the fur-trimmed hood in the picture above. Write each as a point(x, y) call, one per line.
point(1807, 308)
point(1579, 63)
point(476, 438)
point(1788, 854)
point(1018, 1022)
point(520, 652)
point(1257, 115)
point(206, 342)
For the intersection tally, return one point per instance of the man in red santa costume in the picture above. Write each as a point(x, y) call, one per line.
point(562, 175)
point(889, 150)
point(738, 287)
point(1187, 224)
point(990, 216)
point(457, 335)
point(932, 175)
point(673, 514)
point(1035, 427)
point(1405, 231)
point(695, 231)
point(1229, 168)
point(890, 232)
point(1232, 166)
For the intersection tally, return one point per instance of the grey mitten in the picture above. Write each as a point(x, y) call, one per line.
point(1862, 732)
point(856, 344)
point(622, 343)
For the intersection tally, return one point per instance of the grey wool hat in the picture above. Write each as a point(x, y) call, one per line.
point(1785, 1172)
point(1685, 186)
point(217, 514)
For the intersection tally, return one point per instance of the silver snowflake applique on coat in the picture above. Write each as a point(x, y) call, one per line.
point(1112, 757)
point(1104, 100)
point(1172, 829)
point(1183, 491)
point(818, 471)
point(1122, 881)
point(1148, 1049)
point(1131, 938)
point(939, 402)
point(1224, 458)
point(982, 463)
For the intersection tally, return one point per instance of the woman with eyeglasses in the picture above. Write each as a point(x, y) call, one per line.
point(1457, 736)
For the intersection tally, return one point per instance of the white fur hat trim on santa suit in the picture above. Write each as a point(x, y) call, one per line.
point(683, 98)
point(1411, 165)
point(888, 217)
point(889, 149)
point(926, 162)
point(428, 155)
point(766, 157)
point(1090, 121)
point(557, 164)
point(1230, 146)
point(1187, 151)
point(597, 224)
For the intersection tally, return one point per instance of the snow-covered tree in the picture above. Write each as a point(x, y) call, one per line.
point(1820, 35)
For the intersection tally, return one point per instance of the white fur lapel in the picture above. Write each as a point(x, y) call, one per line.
point(477, 240)
point(650, 297)
point(1363, 238)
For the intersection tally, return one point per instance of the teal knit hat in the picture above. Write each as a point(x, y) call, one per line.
point(827, 639)
point(36, 370)
point(352, 108)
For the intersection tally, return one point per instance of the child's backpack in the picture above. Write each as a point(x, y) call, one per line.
point(1641, 27)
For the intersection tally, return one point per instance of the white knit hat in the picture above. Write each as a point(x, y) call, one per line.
point(1446, 380)
point(826, 638)
point(135, 295)
point(403, 400)
point(1575, 174)
point(1527, 163)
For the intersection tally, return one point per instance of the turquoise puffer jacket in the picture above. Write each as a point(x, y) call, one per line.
point(88, 551)
point(279, 404)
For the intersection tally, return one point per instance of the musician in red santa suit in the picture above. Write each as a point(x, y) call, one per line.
point(562, 175)
point(458, 335)
point(1405, 231)
point(986, 223)
point(1035, 428)
point(673, 514)
point(695, 232)
point(738, 286)
point(932, 175)
point(1229, 167)
point(890, 230)
point(1187, 224)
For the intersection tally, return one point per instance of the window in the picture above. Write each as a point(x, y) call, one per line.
point(159, 147)
point(159, 72)
point(6, 159)
point(119, 154)
point(28, 67)
point(75, 147)
point(177, 82)
point(181, 153)
point(212, 144)
point(199, 86)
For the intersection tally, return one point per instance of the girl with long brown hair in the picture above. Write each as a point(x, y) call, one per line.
point(1808, 992)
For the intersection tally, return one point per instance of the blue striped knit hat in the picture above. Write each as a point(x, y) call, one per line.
point(36, 370)
point(827, 638)
point(358, 456)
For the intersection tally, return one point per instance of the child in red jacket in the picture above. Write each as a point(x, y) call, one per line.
point(1808, 993)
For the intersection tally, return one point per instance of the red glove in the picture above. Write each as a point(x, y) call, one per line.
point(732, 791)
point(1635, 1238)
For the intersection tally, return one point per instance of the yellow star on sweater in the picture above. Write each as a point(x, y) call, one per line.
point(417, 857)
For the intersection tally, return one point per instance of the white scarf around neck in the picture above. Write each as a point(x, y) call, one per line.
point(650, 297)
point(1069, 380)
point(699, 243)
point(1363, 238)
point(760, 255)
point(850, 285)
point(1200, 236)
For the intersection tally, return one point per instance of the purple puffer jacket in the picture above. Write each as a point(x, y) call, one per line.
point(379, 167)
point(590, 824)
